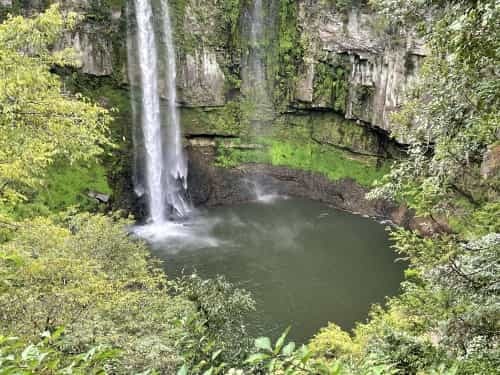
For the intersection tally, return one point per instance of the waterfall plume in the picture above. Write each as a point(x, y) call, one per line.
point(164, 165)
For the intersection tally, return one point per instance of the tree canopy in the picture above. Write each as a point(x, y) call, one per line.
point(40, 121)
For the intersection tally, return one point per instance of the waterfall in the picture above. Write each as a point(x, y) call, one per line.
point(255, 87)
point(176, 179)
point(165, 166)
point(257, 56)
point(255, 75)
point(151, 117)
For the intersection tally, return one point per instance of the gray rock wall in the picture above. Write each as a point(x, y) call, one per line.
point(352, 64)
point(96, 40)
point(380, 64)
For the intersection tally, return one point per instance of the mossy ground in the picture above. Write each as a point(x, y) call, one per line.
point(333, 163)
point(222, 121)
point(67, 186)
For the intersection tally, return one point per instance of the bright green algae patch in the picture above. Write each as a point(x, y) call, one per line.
point(68, 185)
point(221, 121)
point(324, 144)
point(336, 164)
point(333, 163)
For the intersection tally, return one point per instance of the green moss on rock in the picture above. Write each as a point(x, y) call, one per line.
point(332, 129)
point(333, 163)
point(290, 52)
point(319, 143)
point(220, 121)
point(330, 87)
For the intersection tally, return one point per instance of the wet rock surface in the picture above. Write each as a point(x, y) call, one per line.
point(212, 186)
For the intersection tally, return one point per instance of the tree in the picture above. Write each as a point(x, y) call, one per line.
point(16, 357)
point(450, 299)
point(40, 122)
point(86, 274)
point(453, 113)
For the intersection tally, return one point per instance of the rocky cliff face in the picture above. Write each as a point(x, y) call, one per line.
point(346, 61)
point(377, 63)
point(333, 74)
point(99, 40)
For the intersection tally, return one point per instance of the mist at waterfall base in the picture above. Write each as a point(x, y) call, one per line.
point(305, 263)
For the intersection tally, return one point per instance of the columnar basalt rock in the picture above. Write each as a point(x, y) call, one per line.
point(202, 81)
point(380, 63)
point(490, 168)
point(94, 51)
point(96, 40)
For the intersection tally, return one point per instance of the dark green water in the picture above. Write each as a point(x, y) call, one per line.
point(305, 263)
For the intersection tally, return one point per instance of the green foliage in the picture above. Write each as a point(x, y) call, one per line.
point(331, 86)
point(332, 342)
point(231, 10)
point(100, 10)
point(105, 91)
point(284, 358)
point(65, 187)
point(343, 5)
point(444, 320)
point(109, 93)
point(446, 316)
point(453, 113)
point(482, 221)
point(86, 274)
point(231, 154)
point(231, 38)
point(334, 163)
point(215, 334)
point(39, 122)
point(225, 121)
point(323, 143)
point(290, 52)
point(462, 278)
point(44, 357)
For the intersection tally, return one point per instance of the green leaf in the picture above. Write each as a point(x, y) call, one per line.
point(271, 366)
point(336, 369)
point(30, 353)
point(183, 370)
point(304, 353)
point(263, 343)
point(281, 340)
point(216, 354)
point(289, 348)
point(257, 358)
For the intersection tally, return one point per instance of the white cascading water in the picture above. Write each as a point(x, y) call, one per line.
point(176, 163)
point(151, 116)
point(165, 165)
point(256, 89)
point(256, 75)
